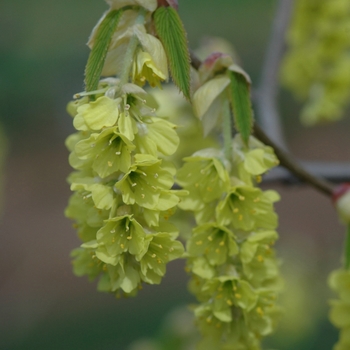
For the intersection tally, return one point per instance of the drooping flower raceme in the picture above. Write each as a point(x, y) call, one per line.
point(339, 281)
point(123, 190)
point(122, 185)
point(317, 63)
point(235, 274)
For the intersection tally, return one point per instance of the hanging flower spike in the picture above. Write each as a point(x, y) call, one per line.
point(316, 64)
point(121, 196)
point(339, 281)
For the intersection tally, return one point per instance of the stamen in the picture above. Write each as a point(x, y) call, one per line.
point(260, 258)
point(260, 311)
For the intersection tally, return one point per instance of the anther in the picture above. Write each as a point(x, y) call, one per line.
point(260, 311)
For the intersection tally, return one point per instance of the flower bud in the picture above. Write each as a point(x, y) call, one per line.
point(341, 198)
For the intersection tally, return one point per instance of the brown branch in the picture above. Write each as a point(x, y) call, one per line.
point(286, 161)
point(334, 172)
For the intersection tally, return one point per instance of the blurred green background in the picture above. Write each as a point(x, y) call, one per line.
point(42, 304)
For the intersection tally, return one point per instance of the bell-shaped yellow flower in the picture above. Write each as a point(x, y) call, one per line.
point(144, 69)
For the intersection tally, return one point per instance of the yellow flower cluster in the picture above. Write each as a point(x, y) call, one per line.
point(317, 64)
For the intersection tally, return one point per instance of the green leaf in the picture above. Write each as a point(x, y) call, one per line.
point(99, 51)
point(241, 104)
point(173, 37)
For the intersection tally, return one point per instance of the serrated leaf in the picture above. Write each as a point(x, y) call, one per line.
point(99, 51)
point(241, 104)
point(173, 37)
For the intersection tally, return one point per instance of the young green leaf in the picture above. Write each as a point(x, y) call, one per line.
point(241, 104)
point(99, 51)
point(173, 37)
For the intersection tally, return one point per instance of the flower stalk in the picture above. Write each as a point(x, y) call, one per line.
point(227, 130)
